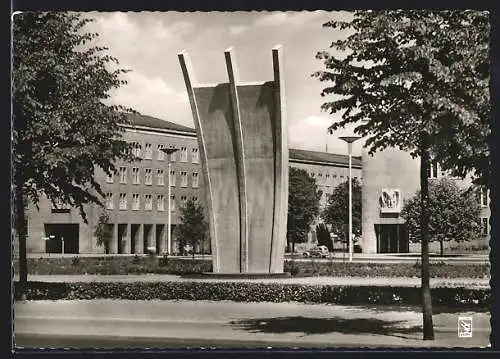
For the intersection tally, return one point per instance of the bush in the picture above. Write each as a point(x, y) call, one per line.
point(120, 265)
point(254, 292)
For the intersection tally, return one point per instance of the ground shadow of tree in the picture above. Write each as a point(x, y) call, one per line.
point(327, 325)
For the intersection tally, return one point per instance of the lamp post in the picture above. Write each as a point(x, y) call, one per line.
point(169, 152)
point(349, 140)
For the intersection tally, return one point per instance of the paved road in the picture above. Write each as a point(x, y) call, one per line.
point(177, 324)
point(341, 281)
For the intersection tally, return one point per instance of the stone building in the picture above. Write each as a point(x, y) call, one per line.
point(389, 178)
point(136, 196)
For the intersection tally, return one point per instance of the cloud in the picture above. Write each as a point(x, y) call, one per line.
point(153, 96)
point(237, 29)
point(276, 19)
point(310, 133)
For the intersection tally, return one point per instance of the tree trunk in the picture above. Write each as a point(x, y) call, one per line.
point(193, 250)
point(441, 246)
point(293, 246)
point(424, 225)
point(21, 233)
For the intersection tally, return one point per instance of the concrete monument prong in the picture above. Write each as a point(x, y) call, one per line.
point(243, 142)
point(169, 152)
point(349, 140)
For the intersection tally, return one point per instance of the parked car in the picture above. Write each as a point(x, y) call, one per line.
point(318, 251)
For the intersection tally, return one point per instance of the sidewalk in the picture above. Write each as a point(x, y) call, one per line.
point(121, 323)
point(338, 281)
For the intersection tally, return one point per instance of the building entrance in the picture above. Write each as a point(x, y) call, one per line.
point(392, 238)
point(58, 234)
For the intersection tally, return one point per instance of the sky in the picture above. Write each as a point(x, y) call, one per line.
point(147, 43)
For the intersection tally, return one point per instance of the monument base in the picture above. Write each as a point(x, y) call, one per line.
point(212, 275)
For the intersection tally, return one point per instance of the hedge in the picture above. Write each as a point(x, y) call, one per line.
point(254, 292)
point(115, 265)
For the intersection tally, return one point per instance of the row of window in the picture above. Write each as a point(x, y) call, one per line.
point(148, 177)
point(160, 155)
point(148, 202)
point(327, 176)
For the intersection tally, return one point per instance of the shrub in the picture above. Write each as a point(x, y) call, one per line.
point(254, 292)
point(116, 265)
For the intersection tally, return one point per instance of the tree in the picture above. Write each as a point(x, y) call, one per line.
point(303, 206)
point(336, 212)
point(103, 232)
point(63, 129)
point(193, 227)
point(419, 81)
point(323, 236)
point(453, 212)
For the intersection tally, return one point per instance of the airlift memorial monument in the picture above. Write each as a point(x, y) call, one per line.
point(243, 141)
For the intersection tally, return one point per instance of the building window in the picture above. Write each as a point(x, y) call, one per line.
point(135, 175)
point(136, 149)
point(183, 200)
point(123, 174)
point(60, 207)
point(327, 175)
point(148, 176)
point(483, 196)
point(161, 154)
point(195, 199)
point(136, 202)
point(320, 174)
point(195, 180)
point(148, 151)
point(172, 178)
point(109, 201)
point(160, 203)
point(432, 170)
point(109, 178)
point(123, 201)
point(173, 156)
point(485, 226)
point(195, 157)
point(148, 202)
point(184, 154)
point(184, 179)
point(313, 175)
point(160, 177)
point(172, 203)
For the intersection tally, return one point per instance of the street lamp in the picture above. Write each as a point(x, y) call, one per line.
point(169, 152)
point(349, 140)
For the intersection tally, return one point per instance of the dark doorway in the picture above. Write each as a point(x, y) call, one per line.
point(64, 233)
point(392, 238)
point(134, 239)
point(122, 238)
point(160, 235)
point(148, 233)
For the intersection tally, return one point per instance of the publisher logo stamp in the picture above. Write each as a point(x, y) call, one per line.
point(465, 327)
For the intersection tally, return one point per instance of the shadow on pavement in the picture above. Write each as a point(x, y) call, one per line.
point(327, 325)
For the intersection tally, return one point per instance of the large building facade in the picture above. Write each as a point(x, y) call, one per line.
point(391, 177)
point(136, 197)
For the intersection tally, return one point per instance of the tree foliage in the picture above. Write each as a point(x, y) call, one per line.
point(323, 236)
point(399, 73)
point(193, 227)
point(454, 213)
point(303, 205)
point(63, 128)
point(103, 232)
point(336, 212)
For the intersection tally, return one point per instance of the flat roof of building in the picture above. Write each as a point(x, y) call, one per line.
point(296, 155)
point(323, 157)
